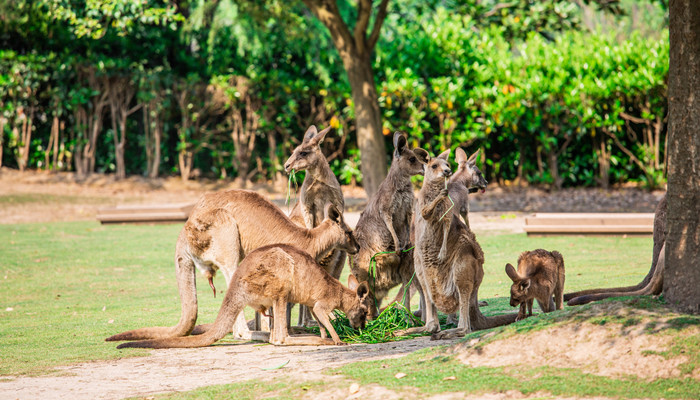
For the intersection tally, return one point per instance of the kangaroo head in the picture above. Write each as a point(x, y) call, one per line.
point(410, 160)
point(438, 167)
point(348, 242)
point(520, 290)
point(364, 308)
point(467, 171)
point(308, 153)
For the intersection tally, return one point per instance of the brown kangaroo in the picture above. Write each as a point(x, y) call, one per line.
point(653, 282)
point(384, 225)
point(222, 228)
point(449, 267)
point(319, 188)
point(273, 276)
point(540, 274)
point(467, 177)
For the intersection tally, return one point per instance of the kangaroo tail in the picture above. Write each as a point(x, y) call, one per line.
point(654, 287)
point(156, 332)
point(228, 312)
point(658, 250)
point(479, 321)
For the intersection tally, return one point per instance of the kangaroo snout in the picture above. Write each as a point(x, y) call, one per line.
point(447, 172)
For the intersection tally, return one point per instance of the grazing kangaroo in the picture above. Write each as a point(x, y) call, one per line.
point(273, 276)
point(449, 267)
point(319, 188)
point(467, 177)
point(653, 282)
point(385, 224)
point(222, 228)
point(540, 275)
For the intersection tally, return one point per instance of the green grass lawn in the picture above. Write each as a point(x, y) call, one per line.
point(67, 286)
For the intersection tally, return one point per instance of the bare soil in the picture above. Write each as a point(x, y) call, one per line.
point(46, 197)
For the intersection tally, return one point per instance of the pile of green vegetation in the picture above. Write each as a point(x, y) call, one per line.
point(380, 330)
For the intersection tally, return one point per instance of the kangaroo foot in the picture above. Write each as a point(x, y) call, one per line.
point(449, 334)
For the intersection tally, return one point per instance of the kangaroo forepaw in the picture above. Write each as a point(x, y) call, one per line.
point(211, 284)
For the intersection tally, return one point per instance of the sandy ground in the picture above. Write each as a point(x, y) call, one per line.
point(60, 197)
point(186, 369)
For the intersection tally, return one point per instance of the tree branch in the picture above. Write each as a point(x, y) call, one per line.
point(328, 13)
point(364, 12)
point(381, 16)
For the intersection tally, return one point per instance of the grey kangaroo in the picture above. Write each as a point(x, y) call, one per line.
point(273, 276)
point(466, 179)
point(319, 188)
point(222, 228)
point(384, 226)
point(449, 266)
point(540, 275)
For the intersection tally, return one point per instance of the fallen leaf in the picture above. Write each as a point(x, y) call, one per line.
point(449, 378)
point(9, 309)
point(111, 321)
point(399, 375)
point(354, 388)
point(277, 367)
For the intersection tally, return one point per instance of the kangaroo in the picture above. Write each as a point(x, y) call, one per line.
point(468, 177)
point(273, 276)
point(540, 274)
point(384, 225)
point(320, 187)
point(222, 228)
point(653, 282)
point(449, 267)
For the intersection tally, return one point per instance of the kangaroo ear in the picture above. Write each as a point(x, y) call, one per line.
point(512, 273)
point(352, 282)
point(399, 143)
point(362, 290)
point(472, 158)
point(524, 285)
point(422, 155)
point(318, 138)
point(333, 213)
point(460, 155)
point(444, 155)
point(310, 134)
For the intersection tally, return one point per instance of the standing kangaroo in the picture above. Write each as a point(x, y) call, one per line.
point(385, 224)
point(273, 276)
point(467, 177)
point(222, 228)
point(320, 187)
point(449, 267)
point(540, 275)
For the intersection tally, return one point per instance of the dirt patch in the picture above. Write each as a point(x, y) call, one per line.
point(611, 349)
point(174, 370)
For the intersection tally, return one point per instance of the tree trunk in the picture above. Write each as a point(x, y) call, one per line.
point(153, 131)
point(25, 139)
point(355, 48)
point(373, 163)
point(3, 122)
point(682, 275)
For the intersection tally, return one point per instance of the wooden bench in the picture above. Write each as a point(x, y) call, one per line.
point(590, 224)
point(145, 214)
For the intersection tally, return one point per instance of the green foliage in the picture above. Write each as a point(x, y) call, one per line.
point(550, 101)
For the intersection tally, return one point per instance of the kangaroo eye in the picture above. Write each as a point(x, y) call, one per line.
point(434, 166)
point(303, 153)
point(412, 160)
